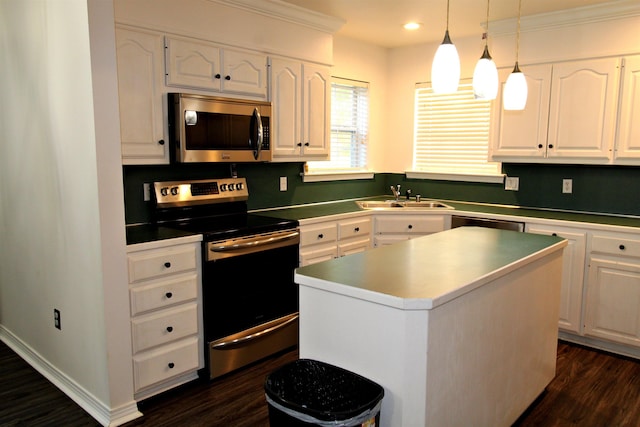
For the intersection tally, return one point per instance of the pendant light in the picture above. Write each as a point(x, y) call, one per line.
point(445, 69)
point(515, 89)
point(485, 75)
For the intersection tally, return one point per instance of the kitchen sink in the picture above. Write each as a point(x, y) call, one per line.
point(403, 204)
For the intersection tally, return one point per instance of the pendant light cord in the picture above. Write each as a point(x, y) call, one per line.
point(518, 32)
point(486, 37)
point(448, 15)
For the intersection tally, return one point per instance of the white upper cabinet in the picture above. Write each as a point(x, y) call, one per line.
point(523, 133)
point(140, 90)
point(628, 147)
point(316, 111)
point(582, 114)
point(206, 66)
point(570, 115)
point(300, 97)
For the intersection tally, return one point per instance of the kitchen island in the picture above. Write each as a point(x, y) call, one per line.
point(459, 327)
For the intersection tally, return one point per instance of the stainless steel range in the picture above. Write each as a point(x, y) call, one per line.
point(250, 300)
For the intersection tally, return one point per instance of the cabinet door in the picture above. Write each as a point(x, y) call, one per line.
point(316, 112)
point(613, 300)
point(523, 134)
point(286, 100)
point(244, 73)
point(582, 110)
point(572, 274)
point(140, 91)
point(628, 146)
point(191, 64)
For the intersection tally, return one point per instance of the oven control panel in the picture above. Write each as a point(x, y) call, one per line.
point(184, 193)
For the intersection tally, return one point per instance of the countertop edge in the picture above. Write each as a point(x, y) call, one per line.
point(423, 303)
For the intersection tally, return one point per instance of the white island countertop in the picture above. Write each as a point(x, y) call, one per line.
point(429, 271)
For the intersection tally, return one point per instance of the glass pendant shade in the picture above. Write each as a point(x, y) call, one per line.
point(445, 69)
point(515, 90)
point(485, 77)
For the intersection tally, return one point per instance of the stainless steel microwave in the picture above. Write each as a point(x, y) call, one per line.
point(213, 129)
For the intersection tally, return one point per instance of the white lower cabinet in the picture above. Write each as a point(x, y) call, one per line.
point(354, 235)
point(166, 315)
point(572, 272)
point(393, 227)
point(325, 240)
point(612, 305)
point(318, 242)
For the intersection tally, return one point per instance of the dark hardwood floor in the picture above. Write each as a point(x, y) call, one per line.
point(591, 388)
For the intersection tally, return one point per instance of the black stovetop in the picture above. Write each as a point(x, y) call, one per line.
point(229, 226)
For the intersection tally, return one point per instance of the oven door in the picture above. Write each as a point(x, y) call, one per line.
point(250, 299)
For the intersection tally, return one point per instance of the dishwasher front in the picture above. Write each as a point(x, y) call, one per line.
point(466, 221)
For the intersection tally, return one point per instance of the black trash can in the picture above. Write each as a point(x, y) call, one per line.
point(312, 393)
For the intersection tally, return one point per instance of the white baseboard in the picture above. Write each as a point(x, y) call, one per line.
point(106, 416)
point(611, 347)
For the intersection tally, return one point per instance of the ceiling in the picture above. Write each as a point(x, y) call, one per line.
point(380, 21)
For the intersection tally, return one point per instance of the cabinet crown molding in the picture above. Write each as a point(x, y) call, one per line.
point(567, 18)
point(287, 12)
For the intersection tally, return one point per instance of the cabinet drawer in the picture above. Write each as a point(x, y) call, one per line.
point(409, 224)
point(354, 246)
point(159, 262)
point(321, 233)
point(160, 294)
point(166, 362)
point(616, 245)
point(165, 326)
point(318, 254)
point(354, 228)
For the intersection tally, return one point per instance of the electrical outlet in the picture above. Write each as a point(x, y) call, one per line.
point(567, 186)
point(512, 183)
point(283, 183)
point(56, 318)
point(146, 191)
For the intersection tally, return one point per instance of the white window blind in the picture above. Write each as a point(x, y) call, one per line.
point(349, 127)
point(451, 132)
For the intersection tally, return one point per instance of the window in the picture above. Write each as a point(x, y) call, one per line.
point(349, 128)
point(451, 134)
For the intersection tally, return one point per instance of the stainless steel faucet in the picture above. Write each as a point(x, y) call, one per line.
point(396, 192)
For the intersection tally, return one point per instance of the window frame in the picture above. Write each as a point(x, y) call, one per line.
point(313, 172)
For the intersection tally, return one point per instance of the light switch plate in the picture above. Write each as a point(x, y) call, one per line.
point(512, 183)
point(146, 191)
point(283, 183)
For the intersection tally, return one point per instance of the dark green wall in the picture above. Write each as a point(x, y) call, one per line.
point(600, 189)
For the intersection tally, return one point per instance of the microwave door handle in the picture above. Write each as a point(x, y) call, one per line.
point(256, 125)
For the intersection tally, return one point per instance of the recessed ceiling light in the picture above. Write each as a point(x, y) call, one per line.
point(412, 26)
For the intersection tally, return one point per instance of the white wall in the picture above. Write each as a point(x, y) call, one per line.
point(62, 241)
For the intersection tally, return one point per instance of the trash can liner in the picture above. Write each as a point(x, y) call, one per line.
point(354, 421)
point(323, 394)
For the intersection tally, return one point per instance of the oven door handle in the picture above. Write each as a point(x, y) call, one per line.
point(239, 342)
point(255, 244)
